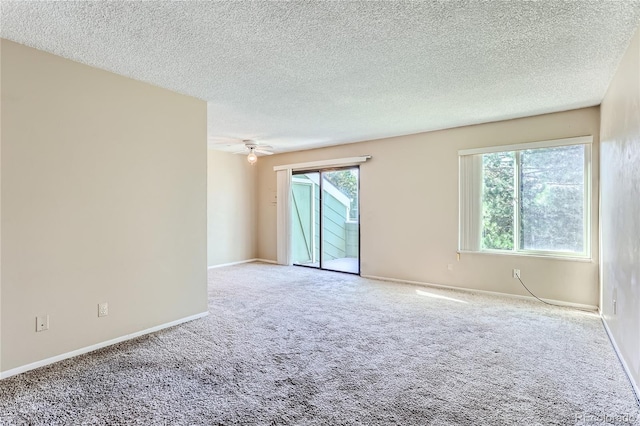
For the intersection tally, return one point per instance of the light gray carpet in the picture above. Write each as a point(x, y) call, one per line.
point(290, 345)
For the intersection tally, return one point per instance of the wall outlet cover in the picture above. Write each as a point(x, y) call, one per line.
point(42, 323)
point(103, 309)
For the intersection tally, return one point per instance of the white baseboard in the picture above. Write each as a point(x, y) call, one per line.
point(222, 265)
point(634, 385)
point(492, 293)
point(81, 351)
point(240, 262)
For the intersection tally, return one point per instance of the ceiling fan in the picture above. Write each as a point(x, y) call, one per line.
point(252, 149)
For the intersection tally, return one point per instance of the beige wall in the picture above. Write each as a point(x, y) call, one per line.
point(103, 199)
point(409, 209)
point(620, 192)
point(231, 208)
point(1, 44)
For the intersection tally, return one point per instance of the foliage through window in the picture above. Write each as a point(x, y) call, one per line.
point(530, 200)
point(346, 181)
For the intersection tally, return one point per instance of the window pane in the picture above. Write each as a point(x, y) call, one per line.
point(305, 219)
point(498, 171)
point(340, 233)
point(552, 199)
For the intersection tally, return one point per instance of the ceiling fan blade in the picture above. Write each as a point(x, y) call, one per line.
point(244, 151)
point(260, 151)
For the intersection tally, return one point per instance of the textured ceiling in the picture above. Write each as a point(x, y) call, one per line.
point(296, 75)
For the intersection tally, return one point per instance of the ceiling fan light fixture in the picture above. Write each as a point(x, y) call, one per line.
point(252, 158)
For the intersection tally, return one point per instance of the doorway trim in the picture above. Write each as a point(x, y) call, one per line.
point(315, 165)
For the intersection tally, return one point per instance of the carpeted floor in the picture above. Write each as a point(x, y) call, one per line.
point(291, 345)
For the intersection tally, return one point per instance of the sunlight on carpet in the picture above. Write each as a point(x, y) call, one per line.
point(292, 345)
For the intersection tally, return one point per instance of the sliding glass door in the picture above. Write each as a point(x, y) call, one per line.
point(325, 219)
point(340, 227)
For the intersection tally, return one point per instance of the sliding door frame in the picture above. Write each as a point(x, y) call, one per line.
point(321, 215)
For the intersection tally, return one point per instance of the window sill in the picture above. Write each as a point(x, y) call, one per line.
point(568, 258)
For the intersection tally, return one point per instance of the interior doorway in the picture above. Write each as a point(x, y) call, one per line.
point(325, 215)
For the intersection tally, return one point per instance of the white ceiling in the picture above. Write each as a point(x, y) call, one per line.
point(296, 75)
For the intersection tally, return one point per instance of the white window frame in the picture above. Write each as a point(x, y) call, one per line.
point(470, 198)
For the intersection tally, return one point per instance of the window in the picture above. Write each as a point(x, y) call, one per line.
point(528, 199)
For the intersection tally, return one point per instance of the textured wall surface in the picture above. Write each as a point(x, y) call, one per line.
point(409, 208)
point(620, 192)
point(104, 200)
point(231, 208)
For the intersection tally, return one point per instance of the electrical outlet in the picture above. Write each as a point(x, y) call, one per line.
point(516, 273)
point(450, 266)
point(103, 309)
point(42, 323)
